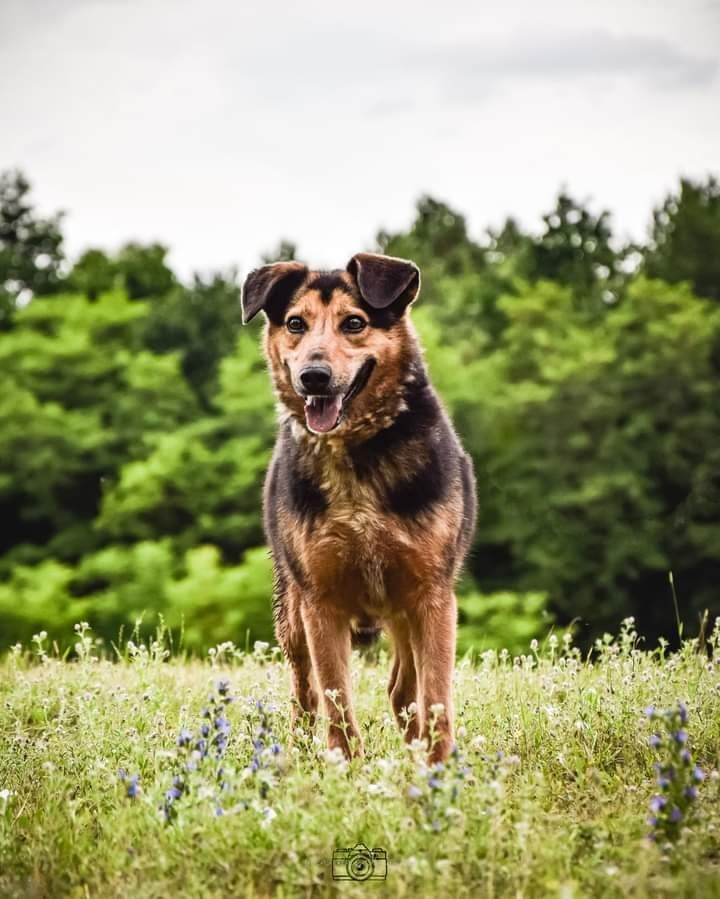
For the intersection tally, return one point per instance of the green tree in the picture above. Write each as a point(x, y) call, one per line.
point(201, 322)
point(30, 247)
point(202, 482)
point(144, 272)
point(597, 445)
point(574, 249)
point(93, 273)
point(511, 244)
point(461, 280)
point(140, 270)
point(437, 240)
point(685, 238)
point(80, 398)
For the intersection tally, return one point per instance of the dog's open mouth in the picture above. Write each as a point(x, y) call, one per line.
point(324, 413)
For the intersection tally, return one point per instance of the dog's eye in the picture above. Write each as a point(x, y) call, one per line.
point(353, 324)
point(295, 324)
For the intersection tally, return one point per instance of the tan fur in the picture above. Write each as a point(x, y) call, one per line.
point(360, 561)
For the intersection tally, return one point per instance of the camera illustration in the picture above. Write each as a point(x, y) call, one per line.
point(359, 863)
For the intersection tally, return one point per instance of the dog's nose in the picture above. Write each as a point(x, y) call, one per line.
point(316, 378)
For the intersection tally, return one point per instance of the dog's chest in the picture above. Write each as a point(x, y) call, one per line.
point(357, 530)
point(352, 504)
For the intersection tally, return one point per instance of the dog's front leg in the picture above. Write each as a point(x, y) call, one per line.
point(292, 638)
point(328, 635)
point(402, 687)
point(433, 639)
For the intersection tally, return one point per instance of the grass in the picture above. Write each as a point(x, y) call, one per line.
point(548, 797)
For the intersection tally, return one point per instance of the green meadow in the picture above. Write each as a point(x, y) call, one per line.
point(547, 795)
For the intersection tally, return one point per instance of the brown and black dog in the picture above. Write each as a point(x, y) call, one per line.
point(369, 498)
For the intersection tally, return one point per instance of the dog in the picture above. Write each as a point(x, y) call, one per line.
point(369, 500)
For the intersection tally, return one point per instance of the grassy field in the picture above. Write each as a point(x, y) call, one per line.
point(548, 796)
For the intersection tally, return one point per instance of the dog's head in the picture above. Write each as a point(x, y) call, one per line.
point(336, 341)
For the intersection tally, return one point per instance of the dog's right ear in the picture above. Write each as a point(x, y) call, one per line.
point(270, 288)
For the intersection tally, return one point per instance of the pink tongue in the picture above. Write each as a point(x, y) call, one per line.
point(323, 412)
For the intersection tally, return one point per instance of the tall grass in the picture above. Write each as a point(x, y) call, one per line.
point(547, 794)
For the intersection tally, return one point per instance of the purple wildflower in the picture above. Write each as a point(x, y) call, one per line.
point(676, 775)
point(132, 787)
point(184, 737)
point(657, 803)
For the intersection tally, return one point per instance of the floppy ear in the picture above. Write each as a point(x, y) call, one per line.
point(385, 280)
point(270, 288)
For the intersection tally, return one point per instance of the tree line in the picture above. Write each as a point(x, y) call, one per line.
point(136, 422)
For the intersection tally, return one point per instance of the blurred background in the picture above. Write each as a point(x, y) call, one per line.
point(551, 167)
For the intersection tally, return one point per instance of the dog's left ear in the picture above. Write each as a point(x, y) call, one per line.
point(385, 281)
point(270, 288)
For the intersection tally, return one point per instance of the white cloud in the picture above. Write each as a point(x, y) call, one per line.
point(221, 127)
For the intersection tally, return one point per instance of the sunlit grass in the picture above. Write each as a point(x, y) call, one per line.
point(548, 795)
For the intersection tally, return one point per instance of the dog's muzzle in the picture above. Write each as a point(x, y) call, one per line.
point(323, 408)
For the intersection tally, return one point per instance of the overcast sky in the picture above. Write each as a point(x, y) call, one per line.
point(220, 126)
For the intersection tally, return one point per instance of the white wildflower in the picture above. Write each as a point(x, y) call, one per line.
point(269, 815)
point(336, 758)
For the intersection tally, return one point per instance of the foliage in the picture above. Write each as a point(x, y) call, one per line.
point(30, 247)
point(200, 322)
point(546, 795)
point(137, 420)
point(81, 398)
point(140, 270)
point(118, 497)
point(500, 620)
point(596, 444)
point(193, 592)
point(575, 250)
point(685, 236)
